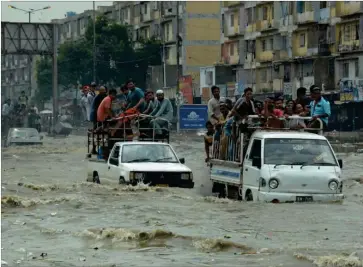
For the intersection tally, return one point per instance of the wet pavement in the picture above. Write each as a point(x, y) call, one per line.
point(52, 217)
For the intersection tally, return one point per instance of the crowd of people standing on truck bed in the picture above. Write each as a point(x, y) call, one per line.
point(130, 100)
point(271, 113)
point(19, 114)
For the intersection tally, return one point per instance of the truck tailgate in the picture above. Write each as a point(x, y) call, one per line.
point(226, 172)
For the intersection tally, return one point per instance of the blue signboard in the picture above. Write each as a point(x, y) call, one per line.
point(193, 117)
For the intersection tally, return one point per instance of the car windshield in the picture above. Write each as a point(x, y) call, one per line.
point(24, 133)
point(289, 151)
point(148, 153)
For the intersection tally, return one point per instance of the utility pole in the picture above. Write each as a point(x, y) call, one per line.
point(163, 44)
point(94, 41)
point(177, 65)
point(30, 58)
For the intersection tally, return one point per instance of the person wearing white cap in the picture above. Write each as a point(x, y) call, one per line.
point(163, 112)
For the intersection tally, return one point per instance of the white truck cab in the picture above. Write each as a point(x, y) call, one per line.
point(281, 166)
point(153, 163)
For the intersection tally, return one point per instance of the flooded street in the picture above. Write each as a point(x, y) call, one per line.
point(52, 217)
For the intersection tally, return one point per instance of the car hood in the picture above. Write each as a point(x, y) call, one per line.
point(156, 167)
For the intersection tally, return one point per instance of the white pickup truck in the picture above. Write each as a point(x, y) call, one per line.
point(278, 167)
point(153, 163)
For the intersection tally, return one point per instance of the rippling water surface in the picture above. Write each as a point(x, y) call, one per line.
point(52, 217)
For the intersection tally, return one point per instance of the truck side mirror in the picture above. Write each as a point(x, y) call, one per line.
point(340, 161)
point(182, 160)
point(256, 162)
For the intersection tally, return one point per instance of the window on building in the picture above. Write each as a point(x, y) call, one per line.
point(167, 52)
point(271, 44)
point(357, 31)
point(300, 7)
point(272, 11)
point(345, 70)
point(356, 68)
point(264, 13)
point(346, 33)
point(209, 78)
point(145, 8)
point(238, 20)
point(323, 4)
point(249, 15)
point(231, 20)
point(283, 42)
point(263, 44)
point(263, 75)
point(223, 23)
point(231, 49)
point(302, 40)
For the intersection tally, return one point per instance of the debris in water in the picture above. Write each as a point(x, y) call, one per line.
point(3, 262)
point(95, 248)
point(82, 259)
point(227, 237)
point(43, 255)
point(53, 214)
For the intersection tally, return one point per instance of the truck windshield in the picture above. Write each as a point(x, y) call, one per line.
point(148, 153)
point(289, 151)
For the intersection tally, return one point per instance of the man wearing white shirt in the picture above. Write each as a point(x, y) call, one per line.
point(5, 112)
point(90, 97)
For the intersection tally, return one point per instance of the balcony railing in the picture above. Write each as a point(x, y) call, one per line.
point(265, 25)
point(306, 17)
point(347, 9)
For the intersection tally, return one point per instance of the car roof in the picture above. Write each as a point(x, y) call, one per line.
point(277, 134)
point(141, 143)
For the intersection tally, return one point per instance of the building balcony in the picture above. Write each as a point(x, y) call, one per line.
point(324, 15)
point(250, 32)
point(280, 55)
point(264, 56)
point(232, 31)
point(306, 17)
point(265, 25)
point(348, 8)
point(320, 50)
point(349, 47)
point(231, 3)
point(145, 17)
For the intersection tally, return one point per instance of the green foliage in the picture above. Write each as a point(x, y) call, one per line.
point(113, 43)
point(44, 79)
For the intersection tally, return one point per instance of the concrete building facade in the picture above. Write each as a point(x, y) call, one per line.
point(285, 45)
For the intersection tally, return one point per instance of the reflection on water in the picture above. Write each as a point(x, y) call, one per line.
point(52, 217)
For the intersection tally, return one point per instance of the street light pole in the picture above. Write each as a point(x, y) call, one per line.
point(30, 59)
point(94, 42)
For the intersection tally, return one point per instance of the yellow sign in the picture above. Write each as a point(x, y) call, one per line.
point(346, 97)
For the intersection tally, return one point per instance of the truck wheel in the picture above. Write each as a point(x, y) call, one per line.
point(233, 193)
point(249, 196)
point(96, 178)
point(121, 180)
point(219, 189)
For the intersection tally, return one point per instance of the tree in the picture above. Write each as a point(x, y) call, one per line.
point(116, 58)
point(44, 78)
point(74, 63)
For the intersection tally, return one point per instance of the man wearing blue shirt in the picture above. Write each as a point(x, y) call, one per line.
point(319, 108)
point(136, 97)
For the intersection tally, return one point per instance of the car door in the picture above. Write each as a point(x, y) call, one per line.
point(113, 163)
point(251, 174)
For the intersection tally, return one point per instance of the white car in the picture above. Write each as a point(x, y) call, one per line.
point(24, 136)
point(152, 163)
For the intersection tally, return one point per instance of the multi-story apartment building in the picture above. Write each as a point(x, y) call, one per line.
point(15, 76)
point(199, 34)
point(73, 26)
point(285, 45)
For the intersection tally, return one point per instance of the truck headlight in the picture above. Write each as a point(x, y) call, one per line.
point(333, 185)
point(186, 176)
point(273, 183)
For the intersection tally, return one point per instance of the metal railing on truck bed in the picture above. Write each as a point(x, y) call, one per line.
point(231, 147)
point(134, 128)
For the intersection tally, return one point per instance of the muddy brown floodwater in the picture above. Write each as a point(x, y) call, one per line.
point(52, 217)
